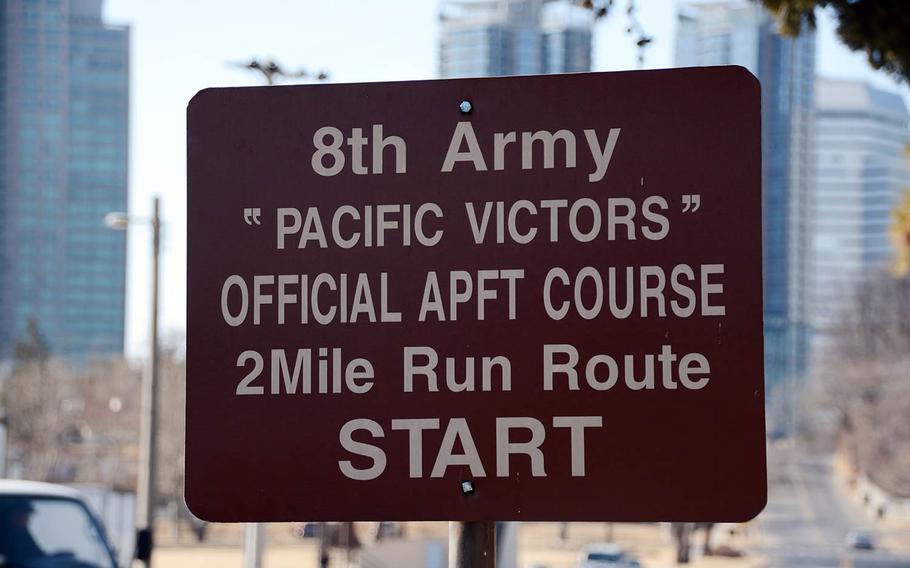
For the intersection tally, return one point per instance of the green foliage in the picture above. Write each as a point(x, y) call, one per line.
point(879, 28)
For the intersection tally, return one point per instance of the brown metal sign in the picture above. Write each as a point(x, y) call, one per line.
point(530, 298)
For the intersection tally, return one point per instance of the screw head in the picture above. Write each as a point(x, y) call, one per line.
point(465, 107)
point(467, 487)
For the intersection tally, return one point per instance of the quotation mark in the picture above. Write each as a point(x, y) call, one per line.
point(251, 216)
point(691, 203)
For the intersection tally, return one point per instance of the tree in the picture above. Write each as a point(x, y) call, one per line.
point(603, 8)
point(863, 382)
point(107, 421)
point(876, 327)
point(172, 426)
point(31, 347)
point(880, 28)
point(900, 235)
point(73, 426)
point(37, 410)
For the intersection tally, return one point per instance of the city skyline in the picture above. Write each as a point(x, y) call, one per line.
point(64, 139)
point(862, 138)
point(175, 66)
point(480, 38)
point(740, 33)
point(631, 265)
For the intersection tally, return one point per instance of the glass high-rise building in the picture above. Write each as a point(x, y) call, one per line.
point(740, 32)
point(64, 103)
point(861, 139)
point(513, 37)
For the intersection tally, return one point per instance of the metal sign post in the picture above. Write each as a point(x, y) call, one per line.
point(472, 544)
point(252, 545)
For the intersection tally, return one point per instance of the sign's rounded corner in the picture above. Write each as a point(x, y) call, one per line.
point(197, 508)
point(755, 508)
point(199, 98)
point(743, 75)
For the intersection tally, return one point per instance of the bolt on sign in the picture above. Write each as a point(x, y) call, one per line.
point(521, 298)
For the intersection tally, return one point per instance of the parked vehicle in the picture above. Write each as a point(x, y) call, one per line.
point(859, 540)
point(305, 530)
point(49, 526)
point(388, 529)
point(606, 555)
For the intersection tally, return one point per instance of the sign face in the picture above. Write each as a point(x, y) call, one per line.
point(547, 287)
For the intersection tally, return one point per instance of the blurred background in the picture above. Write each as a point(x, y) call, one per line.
point(93, 255)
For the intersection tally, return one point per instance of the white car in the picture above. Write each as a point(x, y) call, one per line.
point(49, 526)
point(859, 540)
point(606, 555)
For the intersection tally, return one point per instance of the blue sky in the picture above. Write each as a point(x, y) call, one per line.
point(182, 46)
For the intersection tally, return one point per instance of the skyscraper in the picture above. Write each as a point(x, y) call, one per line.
point(861, 138)
point(513, 37)
point(566, 35)
point(742, 33)
point(64, 92)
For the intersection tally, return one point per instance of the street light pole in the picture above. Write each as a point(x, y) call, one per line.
point(148, 426)
point(148, 451)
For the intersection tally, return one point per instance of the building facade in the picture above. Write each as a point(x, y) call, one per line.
point(862, 135)
point(64, 104)
point(482, 38)
point(742, 33)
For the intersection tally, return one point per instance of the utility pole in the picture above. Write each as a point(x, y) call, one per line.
point(148, 456)
point(253, 540)
point(271, 71)
point(148, 427)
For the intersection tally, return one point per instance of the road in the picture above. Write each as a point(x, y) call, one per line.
point(807, 518)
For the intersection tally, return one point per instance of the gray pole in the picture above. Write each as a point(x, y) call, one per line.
point(472, 545)
point(252, 546)
point(148, 455)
